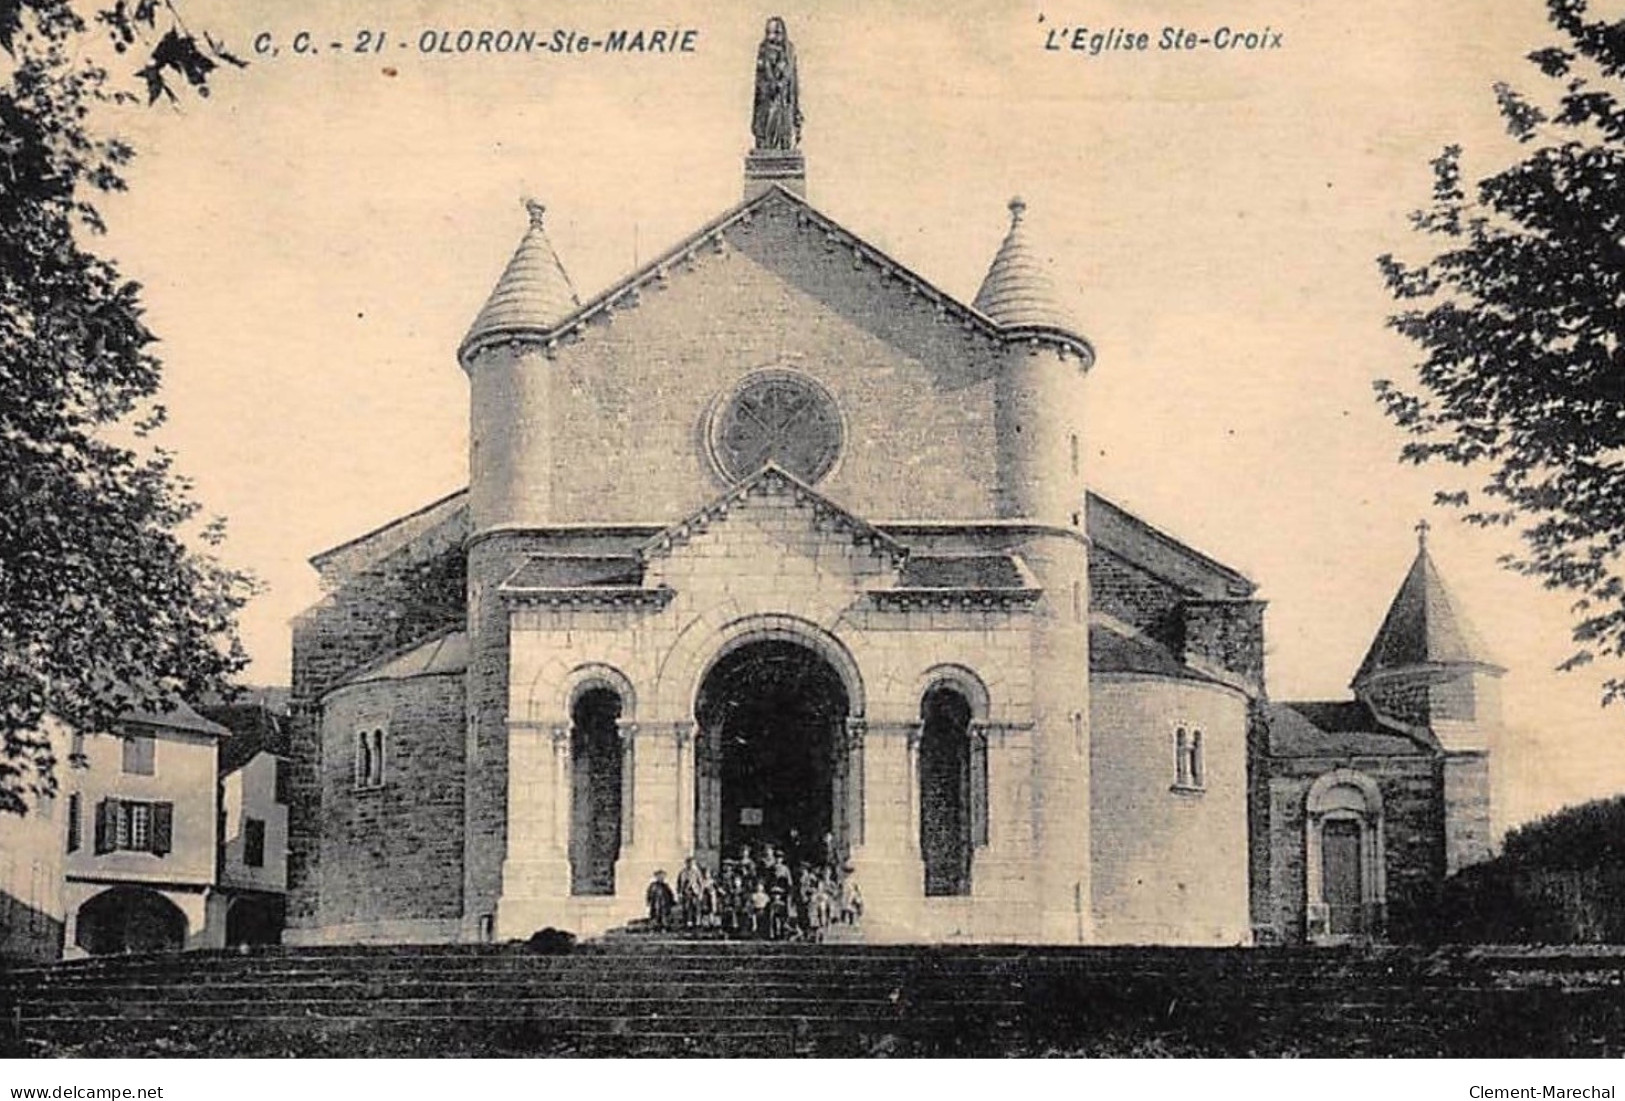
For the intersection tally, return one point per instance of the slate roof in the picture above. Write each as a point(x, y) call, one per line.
point(1018, 290)
point(534, 291)
point(1339, 728)
point(961, 571)
point(1424, 626)
point(179, 717)
point(444, 654)
point(574, 571)
point(1113, 528)
point(1111, 651)
point(255, 727)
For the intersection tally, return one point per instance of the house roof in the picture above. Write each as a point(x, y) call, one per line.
point(1018, 290)
point(534, 291)
point(1424, 626)
point(256, 727)
point(689, 248)
point(179, 717)
point(1339, 728)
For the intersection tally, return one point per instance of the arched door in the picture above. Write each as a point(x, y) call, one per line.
point(771, 761)
point(1342, 864)
point(130, 919)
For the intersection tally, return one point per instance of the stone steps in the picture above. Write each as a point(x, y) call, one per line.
point(642, 996)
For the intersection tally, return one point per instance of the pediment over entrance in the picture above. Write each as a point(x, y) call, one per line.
point(773, 486)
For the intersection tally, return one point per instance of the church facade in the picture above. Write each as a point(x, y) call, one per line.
point(710, 588)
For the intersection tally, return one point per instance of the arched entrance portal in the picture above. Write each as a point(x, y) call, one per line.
point(130, 919)
point(771, 760)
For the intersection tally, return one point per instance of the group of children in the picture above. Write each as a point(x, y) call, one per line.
point(763, 898)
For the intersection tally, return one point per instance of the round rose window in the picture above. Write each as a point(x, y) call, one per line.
point(779, 417)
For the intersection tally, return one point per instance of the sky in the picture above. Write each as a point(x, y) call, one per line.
point(315, 237)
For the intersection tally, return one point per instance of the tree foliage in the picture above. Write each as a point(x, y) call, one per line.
point(1520, 319)
point(1559, 880)
point(104, 607)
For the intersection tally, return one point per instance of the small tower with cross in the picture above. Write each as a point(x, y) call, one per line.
point(1429, 674)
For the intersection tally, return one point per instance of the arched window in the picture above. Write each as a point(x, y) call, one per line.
point(953, 791)
point(596, 791)
point(369, 758)
point(1190, 770)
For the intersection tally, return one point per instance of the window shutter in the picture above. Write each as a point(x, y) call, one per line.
point(73, 822)
point(106, 825)
point(163, 827)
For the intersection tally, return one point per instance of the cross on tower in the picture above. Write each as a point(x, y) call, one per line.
point(1422, 529)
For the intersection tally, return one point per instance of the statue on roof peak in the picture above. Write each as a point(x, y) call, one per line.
point(775, 119)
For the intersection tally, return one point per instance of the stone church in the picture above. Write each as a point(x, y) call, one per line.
point(709, 588)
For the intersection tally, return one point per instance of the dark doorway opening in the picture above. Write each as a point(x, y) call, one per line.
point(595, 792)
point(771, 763)
point(254, 920)
point(130, 919)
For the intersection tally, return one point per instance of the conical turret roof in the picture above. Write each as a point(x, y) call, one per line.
point(1424, 625)
point(534, 292)
point(1019, 290)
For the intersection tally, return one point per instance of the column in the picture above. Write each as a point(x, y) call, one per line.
point(685, 734)
point(562, 790)
point(856, 729)
point(915, 732)
point(980, 812)
point(627, 731)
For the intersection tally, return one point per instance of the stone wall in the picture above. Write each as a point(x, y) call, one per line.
point(377, 610)
point(1170, 859)
point(393, 853)
point(629, 397)
point(1413, 832)
point(1468, 838)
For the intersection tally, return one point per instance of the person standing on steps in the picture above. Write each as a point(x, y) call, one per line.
point(660, 900)
point(758, 910)
point(688, 894)
point(851, 899)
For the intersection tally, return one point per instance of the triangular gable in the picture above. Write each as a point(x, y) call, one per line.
point(1114, 529)
point(626, 292)
point(772, 478)
point(448, 515)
